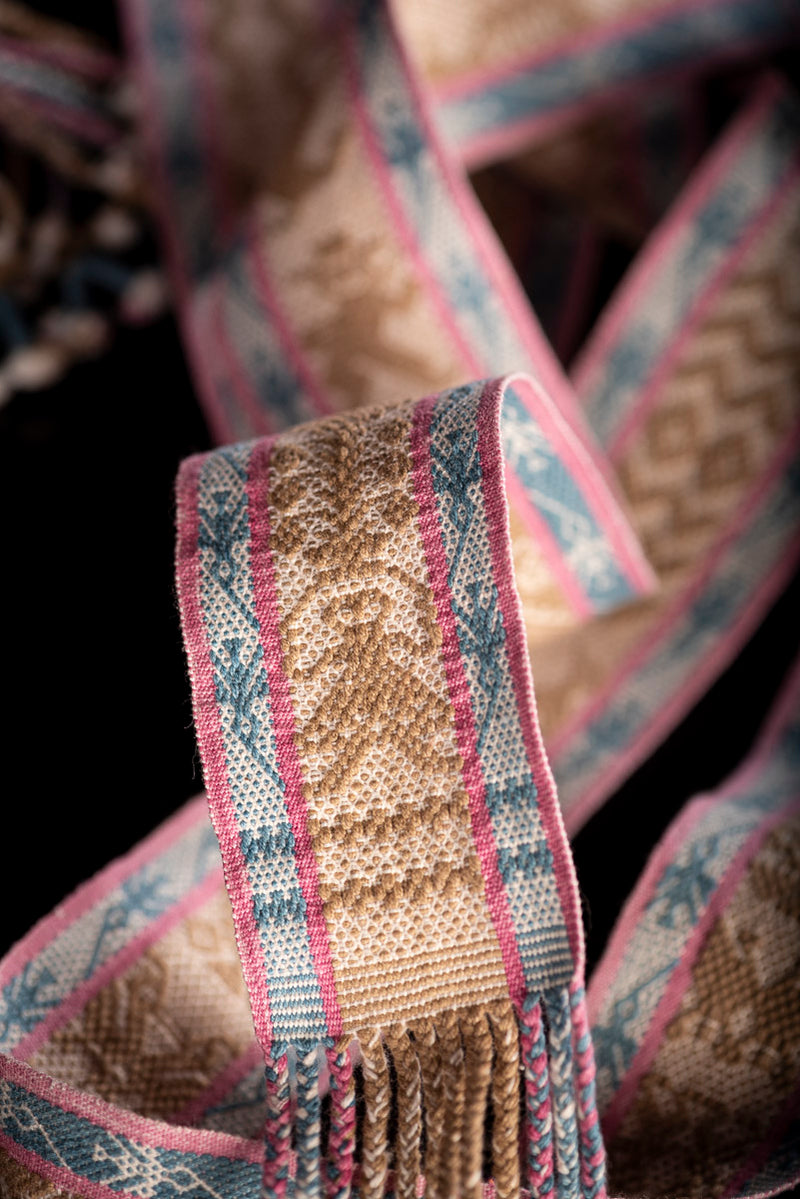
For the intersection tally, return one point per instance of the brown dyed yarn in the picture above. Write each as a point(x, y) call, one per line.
point(478, 1069)
point(430, 1064)
point(451, 1056)
point(377, 1103)
point(409, 1111)
point(505, 1102)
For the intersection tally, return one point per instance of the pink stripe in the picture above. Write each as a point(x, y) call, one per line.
point(209, 736)
point(545, 541)
point(638, 283)
point(762, 1155)
point(259, 417)
point(492, 472)
point(506, 284)
point(583, 467)
point(140, 1129)
point(485, 244)
point(700, 679)
point(649, 394)
point(681, 977)
point(480, 149)
point(138, 46)
point(607, 969)
point(92, 63)
point(114, 966)
point(221, 1087)
point(257, 246)
point(742, 517)
point(65, 1180)
point(603, 33)
point(482, 833)
point(91, 893)
point(87, 125)
point(288, 760)
point(782, 713)
point(199, 69)
point(403, 229)
point(291, 345)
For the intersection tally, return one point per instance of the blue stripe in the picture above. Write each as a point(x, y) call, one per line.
point(433, 215)
point(758, 551)
point(554, 493)
point(257, 345)
point(739, 200)
point(511, 796)
point(677, 40)
point(256, 786)
point(191, 199)
point(114, 1160)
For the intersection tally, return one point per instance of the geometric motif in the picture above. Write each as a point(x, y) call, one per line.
point(695, 1012)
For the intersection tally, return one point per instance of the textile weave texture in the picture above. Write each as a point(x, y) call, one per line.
point(573, 230)
point(389, 825)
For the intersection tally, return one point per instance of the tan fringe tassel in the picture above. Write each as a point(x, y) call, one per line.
point(505, 1102)
point(409, 1112)
point(451, 1051)
point(478, 1068)
point(377, 1102)
point(430, 1065)
point(457, 1062)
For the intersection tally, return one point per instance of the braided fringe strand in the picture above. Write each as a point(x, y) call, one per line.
point(342, 1138)
point(562, 1082)
point(278, 1131)
point(538, 1109)
point(459, 1062)
point(451, 1049)
point(409, 1112)
point(592, 1151)
point(478, 1069)
point(377, 1102)
point(431, 1070)
point(505, 1102)
point(307, 1126)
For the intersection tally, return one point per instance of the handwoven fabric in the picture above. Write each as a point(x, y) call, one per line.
point(505, 73)
point(388, 823)
point(273, 343)
point(695, 1011)
point(379, 990)
point(690, 383)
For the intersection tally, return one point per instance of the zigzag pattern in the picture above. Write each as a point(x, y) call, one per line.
point(722, 413)
point(717, 426)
